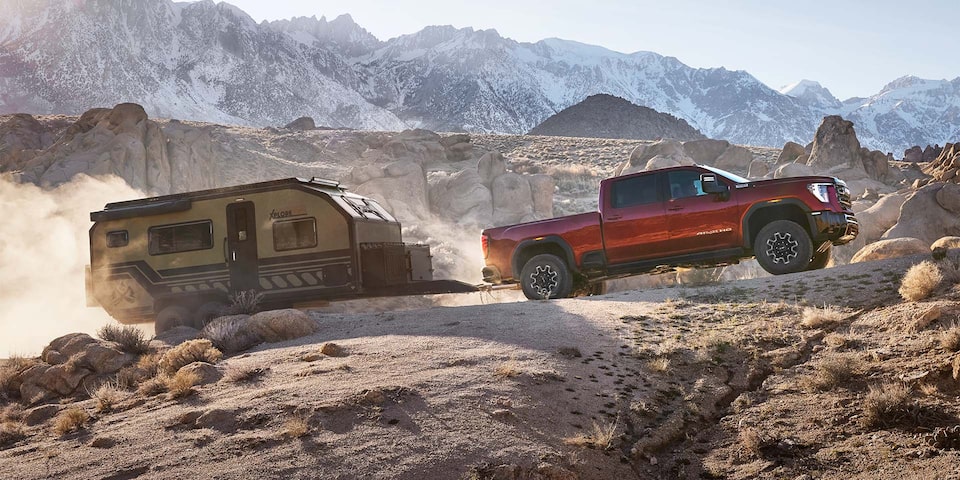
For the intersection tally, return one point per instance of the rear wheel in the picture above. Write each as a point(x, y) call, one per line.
point(171, 317)
point(820, 259)
point(783, 247)
point(546, 276)
point(208, 311)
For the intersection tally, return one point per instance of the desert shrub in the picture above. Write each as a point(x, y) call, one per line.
point(181, 383)
point(130, 338)
point(751, 442)
point(70, 420)
point(575, 178)
point(12, 412)
point(600, 437)
point(9, 370)
point(920, 281)
point(244, 374)
point(832, 372)
point(246, 302)
point(229, 334)
point(508, 369)
point(950, 339)
point(814, 317)
point(153, 386)
point(885, 403)
point(659, 364)
point(297, 426)
point(835, 340)
point(107, 396)
point(199, 350)
point(11, 432)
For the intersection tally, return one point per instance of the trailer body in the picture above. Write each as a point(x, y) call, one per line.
point(177, 258)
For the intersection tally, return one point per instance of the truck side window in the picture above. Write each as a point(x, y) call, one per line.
point(685, 183)
point(182, 237)
point(118, 238)
point(634, 191)
point(295, 234)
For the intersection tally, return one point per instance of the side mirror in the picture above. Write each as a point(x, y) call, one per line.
point(710, 184)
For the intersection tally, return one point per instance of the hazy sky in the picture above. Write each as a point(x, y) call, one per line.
point(852, 47)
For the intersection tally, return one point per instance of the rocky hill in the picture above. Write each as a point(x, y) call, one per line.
point(211, 62)
point(606, 116)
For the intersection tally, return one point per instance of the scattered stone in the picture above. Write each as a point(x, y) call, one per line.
point(103, 442)
point(333, 350)
point(924, 320)
point(218, 419)
point(890, 248)
point(38, 415)
point(206, 372)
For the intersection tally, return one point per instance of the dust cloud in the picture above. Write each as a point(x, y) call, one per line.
point(44, 249)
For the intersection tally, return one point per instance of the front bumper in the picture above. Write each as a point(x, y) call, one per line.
point(837, 228)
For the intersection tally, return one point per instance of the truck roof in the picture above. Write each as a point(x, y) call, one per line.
point(179, 202)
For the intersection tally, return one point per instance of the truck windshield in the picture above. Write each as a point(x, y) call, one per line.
point(729, 176)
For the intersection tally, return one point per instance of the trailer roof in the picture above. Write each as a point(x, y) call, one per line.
point(179, 202)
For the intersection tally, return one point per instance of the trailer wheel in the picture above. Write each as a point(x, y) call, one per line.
point(207, 312)
point(171, 317)
point(783, 247)
point(546, 276)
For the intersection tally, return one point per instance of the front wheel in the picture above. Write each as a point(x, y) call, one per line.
point(783, 247)
point(546, 276)
point(171, 317)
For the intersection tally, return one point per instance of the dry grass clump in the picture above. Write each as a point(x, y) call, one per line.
point(832, 372)
point(508, 369)
point(70, 420)
point(297, 426)
point(181, 384)
point(835, 340)
point(281, 325)
point(107, 396)
point(600, 437)
point(130, 338)
point(950, 339)
point(920, 281)
point(752, 442)
point(814, 317)
point(9, 370)
point(199, 350)
point(885, 403)
point(229, 334)
point(145, 368)
point(244, 303)
point(575, 178)
point(244, 374)
point(11, 432)
point(153, 386)
point(659, 365)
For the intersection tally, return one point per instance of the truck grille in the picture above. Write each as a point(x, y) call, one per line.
point(843, 194)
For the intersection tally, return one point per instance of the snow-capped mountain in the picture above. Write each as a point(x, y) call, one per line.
point(210, 61)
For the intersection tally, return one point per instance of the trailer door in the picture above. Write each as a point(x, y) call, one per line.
point(242, 247)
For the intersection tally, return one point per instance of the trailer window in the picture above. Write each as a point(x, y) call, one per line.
point(119, 238)
point(295, 234)
point(182, 237)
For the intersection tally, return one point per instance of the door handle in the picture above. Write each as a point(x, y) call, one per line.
point(614, 217)
point(225, 258)
point(674, 209)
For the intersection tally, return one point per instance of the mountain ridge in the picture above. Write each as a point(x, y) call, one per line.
point(212, 62)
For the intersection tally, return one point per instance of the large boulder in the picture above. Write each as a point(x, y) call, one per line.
point(891, 248)
point(660, 154)
point(949, 243)
point(280, 325)
point(512, 199)
point(758, 169)
point(874, 221)
point(490, 166)
point(541, 191)
point(706, 151)
point(22, 137)
point(792, 170)
point(461, 197)
point(875, 163)
point(402, 189)
point(735, 159)
point(925, 215)
point(791, 151)
point(835, 144)
point(913, 154)
point(946, 166)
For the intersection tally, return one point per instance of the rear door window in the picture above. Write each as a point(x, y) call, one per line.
point(634, 191)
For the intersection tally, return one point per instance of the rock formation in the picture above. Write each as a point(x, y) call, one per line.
point(930, 213)
point(945, 167)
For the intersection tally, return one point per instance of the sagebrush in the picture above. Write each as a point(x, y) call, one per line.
point(199, 350)
point(130, 338)
point(920, 281)
point(70, 420)
point(885, 403)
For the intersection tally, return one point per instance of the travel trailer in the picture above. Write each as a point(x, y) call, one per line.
point(176, 259)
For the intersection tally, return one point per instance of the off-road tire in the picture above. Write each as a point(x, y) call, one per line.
point(545, 276)
point(171, 317)
point(208, 311)
point(820, 260)
point(783, 247)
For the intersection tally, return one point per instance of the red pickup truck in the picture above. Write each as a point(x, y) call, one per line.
point(688, 216)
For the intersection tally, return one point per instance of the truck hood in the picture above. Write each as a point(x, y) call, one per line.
point(791, 180)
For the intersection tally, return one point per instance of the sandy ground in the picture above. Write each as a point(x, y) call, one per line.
point(683, 382)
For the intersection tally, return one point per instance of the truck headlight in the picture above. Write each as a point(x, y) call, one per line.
point(820, 190)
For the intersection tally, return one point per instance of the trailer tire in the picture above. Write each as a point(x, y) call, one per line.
point(171, 317)
point(546, 276)
point(783, 247)
point(207, 312)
